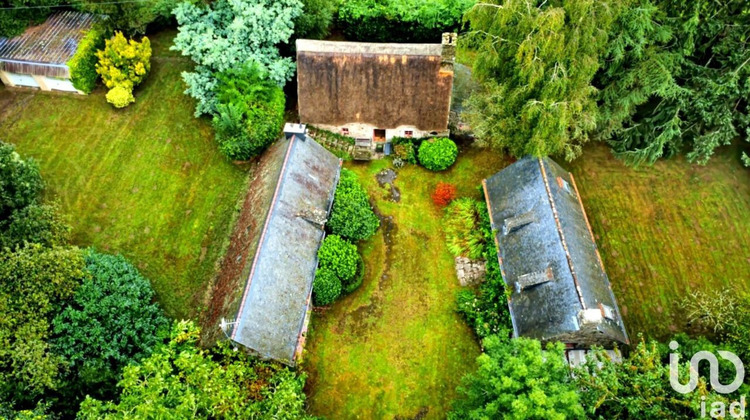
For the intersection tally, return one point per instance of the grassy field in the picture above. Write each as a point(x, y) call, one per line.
point(147, 181)
point(666, 230)
point(395, 348)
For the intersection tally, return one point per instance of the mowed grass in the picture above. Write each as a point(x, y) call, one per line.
point(395, 348)
point(666, 230)
point(147, 181)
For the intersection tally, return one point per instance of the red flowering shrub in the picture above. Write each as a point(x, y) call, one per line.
point(444, 193)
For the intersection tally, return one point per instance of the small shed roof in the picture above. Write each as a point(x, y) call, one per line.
point(385, 85)
point(51, 44)
point(300, 177)
point(548, 255)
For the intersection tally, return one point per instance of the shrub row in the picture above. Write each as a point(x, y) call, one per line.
point(83, 64)
point(401, 20)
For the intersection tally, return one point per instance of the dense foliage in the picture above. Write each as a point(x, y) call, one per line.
point(516, 379)
point(352, 216)
point(35, 282)
point(437, 154)
point(181, 380)
point(36, 223)
point(227, 35)
point(316, 18)
point(536, 62)
point(461, 224)
point(131, 17)
point(27, 12)
point(250, 112)
point(405, 148)
point(110, 322)
point(401, 20)
point(82, 66)
point(123, 65)
point(676, 77)
point(326, 287)
point(652, 77)
point(20, 181)
point(486, 309)
point(341, 257)
point(638, 387)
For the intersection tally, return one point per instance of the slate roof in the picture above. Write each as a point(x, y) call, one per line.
point(298, 178)
point(548, 254)
point(47, 46)
point(385, 85)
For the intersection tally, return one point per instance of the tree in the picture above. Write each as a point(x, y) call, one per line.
point(228, 35)
point(638, 387)
point(535, 63)
point(20, 181)
point(35, 282)
point(130, 17)
point(25, 13)
point(35, 223)
point(516, 379)
point(677, 77)
point(316, 18)
point(181, 380)
point(110, 322)
point(352, 216)
point(123, 65)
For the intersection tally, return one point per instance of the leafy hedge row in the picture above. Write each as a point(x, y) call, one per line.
point(401, 20)
point(83, 64)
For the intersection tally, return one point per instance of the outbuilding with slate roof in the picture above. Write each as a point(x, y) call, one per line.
point(549, 259)
point(289, 200)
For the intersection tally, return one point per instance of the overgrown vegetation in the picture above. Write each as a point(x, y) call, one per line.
point(462, 227)
point(341, 257)
point(652, 77)
point(249, 112)
point(316, 19)
point(401, 20)
point(18, 14)
point(437, 154)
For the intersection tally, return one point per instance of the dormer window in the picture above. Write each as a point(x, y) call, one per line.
point(536, 278)
point(608, 312)
point(514, 223)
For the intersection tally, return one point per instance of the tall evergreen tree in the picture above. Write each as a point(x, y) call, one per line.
point(536, 61)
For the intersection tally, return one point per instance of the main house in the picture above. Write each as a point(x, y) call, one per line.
point(548, 257)
point(38, 58)
point(287, 206)
point(375, 92)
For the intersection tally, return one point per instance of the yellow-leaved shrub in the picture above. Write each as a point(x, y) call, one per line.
point(123, 65)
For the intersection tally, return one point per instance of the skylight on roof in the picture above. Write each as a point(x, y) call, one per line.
point(514, 223)
point(526, 281)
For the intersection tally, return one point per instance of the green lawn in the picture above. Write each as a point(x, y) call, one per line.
point(395, 348)
point(147, 181)
point(667, 229)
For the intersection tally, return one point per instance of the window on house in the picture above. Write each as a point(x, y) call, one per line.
point(408, 133)
point(345, 131)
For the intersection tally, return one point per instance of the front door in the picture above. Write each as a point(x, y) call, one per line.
point(379, 136)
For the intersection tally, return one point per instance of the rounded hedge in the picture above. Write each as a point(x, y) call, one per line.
point(326, 287)
point(438, 154)
point(340, 256)
point(356, 281)
point(352, 216)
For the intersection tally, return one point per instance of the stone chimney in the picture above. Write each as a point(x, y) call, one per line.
point(292, 129)
point(448, 52)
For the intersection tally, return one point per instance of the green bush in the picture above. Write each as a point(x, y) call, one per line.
point(20, 181)
point(83, 64)
point(111, 322)
point(326, 287)
point(401, 20)
point(358, 277)
point(35, 223)
point(405, 148)
point(339, 256)
point(352, 216)
point(120, 96)
point(250, 112)
point(438, 154)
point(461, 226)
point(315, 20)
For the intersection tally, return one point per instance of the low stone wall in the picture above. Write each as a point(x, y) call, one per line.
point(469, 271)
